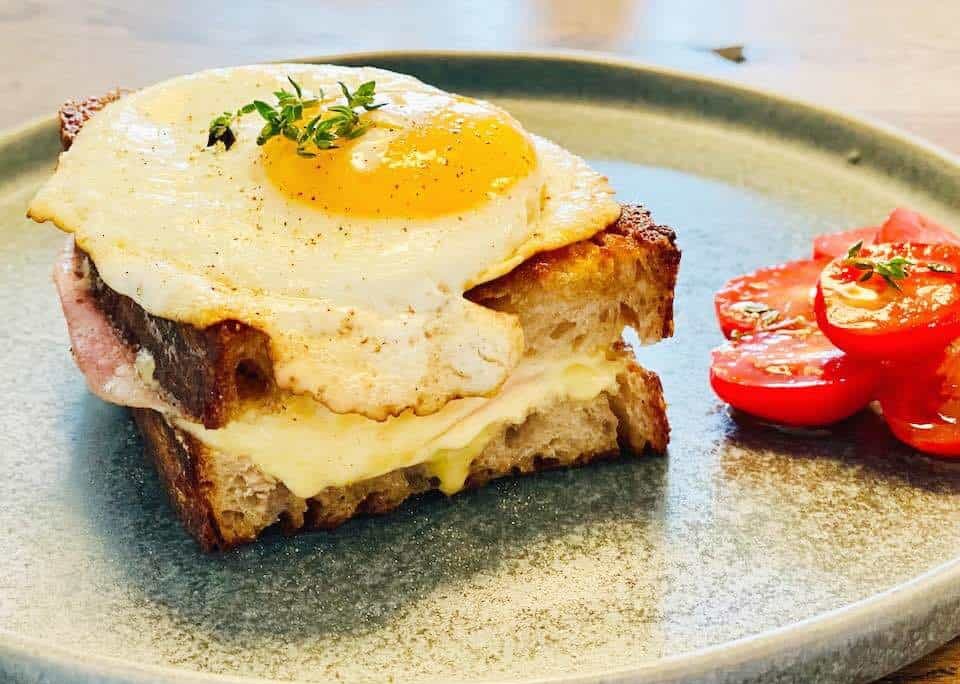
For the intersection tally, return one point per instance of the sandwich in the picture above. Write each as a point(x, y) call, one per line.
point(323, 290)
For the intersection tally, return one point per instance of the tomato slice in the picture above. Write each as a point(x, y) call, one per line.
point(895, 317)
point(832, 245)
point(792, 377)
point(904, 225)
point(921, 402)
point(769, 298)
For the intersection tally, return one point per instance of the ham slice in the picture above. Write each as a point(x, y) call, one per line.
point(106, 361)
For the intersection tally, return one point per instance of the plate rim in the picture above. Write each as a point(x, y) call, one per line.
point(897, 602)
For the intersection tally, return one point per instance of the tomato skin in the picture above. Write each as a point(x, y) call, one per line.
point(809, 382)
point(899, 324)
point(832, 245)
point(905, 225)
point(921, 402)
point(886, 346)
point(785, 290)
point(938, 438)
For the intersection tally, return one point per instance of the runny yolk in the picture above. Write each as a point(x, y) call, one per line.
point(456, 159)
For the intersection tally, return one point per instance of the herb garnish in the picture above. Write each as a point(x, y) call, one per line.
point(764, 315)
point(891, 271)
point(284, 118)
point(220, 130)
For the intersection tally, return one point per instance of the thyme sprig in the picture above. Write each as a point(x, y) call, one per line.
point(891, 271)
point(286, 118)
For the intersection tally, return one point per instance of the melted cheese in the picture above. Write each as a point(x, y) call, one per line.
point(308, 447)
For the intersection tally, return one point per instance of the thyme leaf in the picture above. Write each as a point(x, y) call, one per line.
point(285, 118)
point(892, 270)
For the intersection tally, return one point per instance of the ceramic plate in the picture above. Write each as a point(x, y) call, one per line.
point(744, 555)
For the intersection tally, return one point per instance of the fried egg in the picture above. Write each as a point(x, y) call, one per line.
point(354, 262)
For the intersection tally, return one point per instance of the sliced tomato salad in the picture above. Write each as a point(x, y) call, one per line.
point(832, 245)
point(904, 225)
point(884, 324)
point(921, 402)
point(891, 301)
point(792, 377)
point(769, 298)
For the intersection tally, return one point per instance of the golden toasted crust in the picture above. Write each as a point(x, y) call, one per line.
point(208, 371)
point(75, 113)
point(224, 500)
point(584, 294)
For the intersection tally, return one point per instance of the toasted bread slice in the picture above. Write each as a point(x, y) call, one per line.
point(581, 296)
point(208, 371)
point(225, 500)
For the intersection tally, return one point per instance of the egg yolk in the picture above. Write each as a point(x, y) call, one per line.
point(456, 158)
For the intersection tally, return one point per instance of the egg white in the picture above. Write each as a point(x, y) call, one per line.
point(366, 314)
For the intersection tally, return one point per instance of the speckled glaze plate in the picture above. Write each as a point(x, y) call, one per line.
point(746, 555)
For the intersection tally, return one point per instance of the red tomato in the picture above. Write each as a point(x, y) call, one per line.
point(832, 245)
point(921, 402)
point(909, 226)
point(891, 319)
point(792, 377)
point(769, 298)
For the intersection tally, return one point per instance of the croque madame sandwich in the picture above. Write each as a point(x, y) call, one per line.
point(322, 290)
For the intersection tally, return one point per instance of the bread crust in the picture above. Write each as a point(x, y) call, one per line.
point(224, 500)
point(178, 458)
point(74, 113)
point(208, 371)
point(584, 294)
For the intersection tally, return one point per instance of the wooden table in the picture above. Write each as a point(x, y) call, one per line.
point(896, 61)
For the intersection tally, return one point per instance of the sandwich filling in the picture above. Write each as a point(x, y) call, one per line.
point(308, 447)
